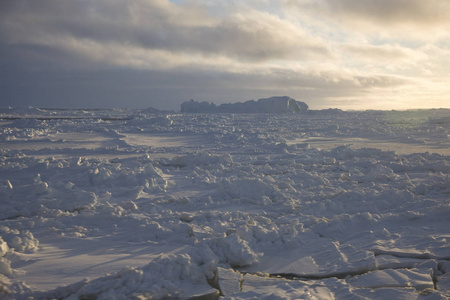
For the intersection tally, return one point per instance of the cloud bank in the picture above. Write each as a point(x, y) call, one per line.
point(340, 53)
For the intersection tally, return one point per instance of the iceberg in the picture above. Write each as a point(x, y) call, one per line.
point(278, 104)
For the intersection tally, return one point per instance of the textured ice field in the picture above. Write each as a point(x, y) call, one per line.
point(120, 204)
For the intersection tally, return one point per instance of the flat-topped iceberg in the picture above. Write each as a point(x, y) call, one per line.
point(282, 104)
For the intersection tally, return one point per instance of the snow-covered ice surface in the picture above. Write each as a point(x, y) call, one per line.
point(129, 204)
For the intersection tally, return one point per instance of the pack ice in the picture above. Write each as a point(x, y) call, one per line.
point(143, 204)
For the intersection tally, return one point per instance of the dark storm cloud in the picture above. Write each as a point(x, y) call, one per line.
point(156, 25)
point(166, 89)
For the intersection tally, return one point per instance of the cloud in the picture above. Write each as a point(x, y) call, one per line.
point(141, 33)
point(321, 51)
point(394, 59)
point(388, 12)
point(379, 52)
point(410, 18)
point(437, 64)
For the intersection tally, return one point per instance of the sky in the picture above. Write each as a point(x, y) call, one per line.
point(348, 54)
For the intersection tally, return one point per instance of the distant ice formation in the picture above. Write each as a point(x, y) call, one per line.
point(283, 104)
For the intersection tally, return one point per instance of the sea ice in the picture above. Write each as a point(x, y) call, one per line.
point(321, 204)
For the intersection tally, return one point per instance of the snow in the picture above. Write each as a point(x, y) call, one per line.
point(138, 204)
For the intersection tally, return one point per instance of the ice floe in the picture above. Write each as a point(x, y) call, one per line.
point(137, 204)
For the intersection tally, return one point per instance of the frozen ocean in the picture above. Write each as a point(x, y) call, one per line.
point(146, 204)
